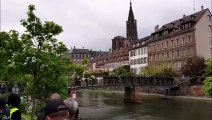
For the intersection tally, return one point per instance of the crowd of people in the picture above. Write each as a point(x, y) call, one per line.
point(10, 110)
point(55, 109)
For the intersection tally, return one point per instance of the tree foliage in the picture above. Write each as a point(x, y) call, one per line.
point(41, 58)
point(121, 70)
point(193, 66)
point(209, 68)
point(10, 46)
point(208, 80)
point(208, 86)
point(162, 70)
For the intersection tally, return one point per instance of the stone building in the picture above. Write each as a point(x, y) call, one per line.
point(77, 54)
point(175, 42)
point(119, 54)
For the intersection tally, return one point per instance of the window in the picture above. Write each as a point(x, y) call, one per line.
point(139, 52)
point(142, 52)
point(153, 47)
point(172, 54)
point(145, 60)
point(189, 38)
point(183, 40)
point(158, 56)
point(167, 44)
point(154, 57)
point(179, 64)
point(162, 55)
point(135, 62)
point(158, 47)
point(184, 52)
point(161, 45)
point(178, 52)
point(177, 40)
point(167, 55)
point(172, 42)
point(209, 28)
point(209, 18)
point(139, 60)
point(142, 61)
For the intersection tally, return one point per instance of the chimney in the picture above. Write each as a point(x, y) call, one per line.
point(74, 47)
point(202, 7)
point(156, 28)
point(82, 47)
point(184, 16)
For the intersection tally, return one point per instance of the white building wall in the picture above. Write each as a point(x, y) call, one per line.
point(138, 60)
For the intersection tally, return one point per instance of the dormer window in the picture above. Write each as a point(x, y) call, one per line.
point(192, 17)
point(173, 23)
point(181, 21)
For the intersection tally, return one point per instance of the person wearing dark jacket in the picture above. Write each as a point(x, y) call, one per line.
point(13, 103)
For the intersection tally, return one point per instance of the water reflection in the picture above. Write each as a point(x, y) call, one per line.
point(109, 106)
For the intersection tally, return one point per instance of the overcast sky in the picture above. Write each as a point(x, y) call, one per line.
point(93, 23)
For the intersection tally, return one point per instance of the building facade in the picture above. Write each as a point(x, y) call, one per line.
point(138, 55)
point(177, 41)
point(77, 55)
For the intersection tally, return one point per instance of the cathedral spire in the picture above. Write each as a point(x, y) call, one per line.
point(131, 25)
point(131, 15)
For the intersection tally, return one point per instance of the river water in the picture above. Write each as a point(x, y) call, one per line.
point(110, 106)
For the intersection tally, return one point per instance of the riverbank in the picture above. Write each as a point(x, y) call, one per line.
point(156, 95)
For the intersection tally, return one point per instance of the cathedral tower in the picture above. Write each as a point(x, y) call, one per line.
point(131, 25)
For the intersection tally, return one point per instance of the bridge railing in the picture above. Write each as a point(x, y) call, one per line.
point(138, 80)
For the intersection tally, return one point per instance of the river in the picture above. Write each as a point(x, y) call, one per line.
point(110, 106)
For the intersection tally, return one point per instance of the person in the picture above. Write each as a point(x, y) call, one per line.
point(72, 108)
point(2, 109)
point(41, 113)
point(56, 110)
point(13, 103)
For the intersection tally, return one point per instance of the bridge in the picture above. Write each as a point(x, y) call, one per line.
point(132, 85)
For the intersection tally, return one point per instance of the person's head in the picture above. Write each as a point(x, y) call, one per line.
point(55, 96)
point(56, 110)
point(72, 106)
point(14, 100)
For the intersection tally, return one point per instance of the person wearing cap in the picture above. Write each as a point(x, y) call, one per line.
point(72, 108)
point(41, 113)
point(13, 103)
point(56, 110)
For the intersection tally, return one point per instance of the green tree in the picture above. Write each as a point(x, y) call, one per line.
point(42, 58)
point(208, 86)
point(10, 46)
point(209, 68)
point(162, 70)
point(193, 66)
point(122, 70)
point(208, 80)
